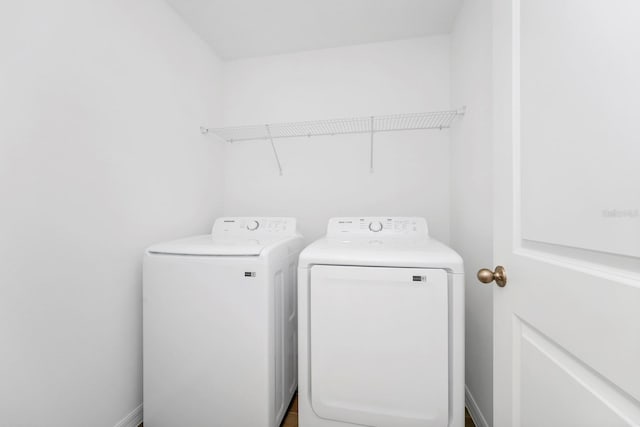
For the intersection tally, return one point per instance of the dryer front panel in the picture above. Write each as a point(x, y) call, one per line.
point(379, 345)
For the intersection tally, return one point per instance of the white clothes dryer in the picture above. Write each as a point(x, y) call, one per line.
point(220, 325)
point(381, 327)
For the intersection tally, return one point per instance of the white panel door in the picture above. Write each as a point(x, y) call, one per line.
point(567, 213)
point(379, 345)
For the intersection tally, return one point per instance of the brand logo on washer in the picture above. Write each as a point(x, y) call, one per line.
point(419, 278)
point(249, 274)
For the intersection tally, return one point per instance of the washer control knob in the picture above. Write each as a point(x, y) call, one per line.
point(253, 225)
point(375, 226)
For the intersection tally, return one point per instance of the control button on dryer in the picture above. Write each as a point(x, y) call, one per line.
point(375, 226)
point(253, 225)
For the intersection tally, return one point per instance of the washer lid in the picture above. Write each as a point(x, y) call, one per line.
point(207, 246)
point(233, 236)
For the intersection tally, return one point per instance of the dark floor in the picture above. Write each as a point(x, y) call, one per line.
point(291, 419)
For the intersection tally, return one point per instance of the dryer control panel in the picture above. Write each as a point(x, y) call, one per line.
point(409, 227)
point(251, 226)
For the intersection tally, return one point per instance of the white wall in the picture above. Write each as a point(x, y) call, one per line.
point(100, 155)
point(471, 194)
point(329, 176)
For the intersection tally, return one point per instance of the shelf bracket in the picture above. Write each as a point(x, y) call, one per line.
point(273, 146)
point(371, 149)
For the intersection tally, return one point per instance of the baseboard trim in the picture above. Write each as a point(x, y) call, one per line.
point(133, 419)
point(476, 415)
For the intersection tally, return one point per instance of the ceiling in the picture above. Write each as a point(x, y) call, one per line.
point(245, 28)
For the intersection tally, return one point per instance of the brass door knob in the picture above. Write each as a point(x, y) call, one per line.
point(487, 276)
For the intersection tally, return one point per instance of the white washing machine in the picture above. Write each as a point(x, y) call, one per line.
point(220, 325)
point(381, 327)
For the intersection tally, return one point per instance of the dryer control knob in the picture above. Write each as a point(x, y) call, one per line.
point(253, 225)
point(375, 226)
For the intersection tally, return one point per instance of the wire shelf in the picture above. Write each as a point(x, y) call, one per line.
point(371, 124)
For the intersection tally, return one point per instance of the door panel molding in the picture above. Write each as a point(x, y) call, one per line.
point(528, 339)
point(621, 266)
point(602, 271)
point(575, 125)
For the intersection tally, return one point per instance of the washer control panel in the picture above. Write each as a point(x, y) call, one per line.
point(251, 226)
point(377, 226)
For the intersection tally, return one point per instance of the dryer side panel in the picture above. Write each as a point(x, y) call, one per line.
point(379, 345)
